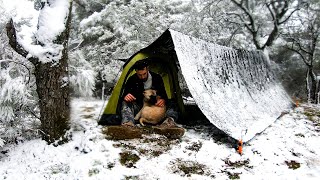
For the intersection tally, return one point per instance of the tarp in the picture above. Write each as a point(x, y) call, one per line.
point(235, 89)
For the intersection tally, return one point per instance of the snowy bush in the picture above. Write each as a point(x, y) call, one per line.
point(82, 75)
point(18, 102)
point(18, 99)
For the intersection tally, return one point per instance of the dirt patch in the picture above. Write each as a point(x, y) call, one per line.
point(128, 159)
point(186, 168)
point(238, 164)
point(232, 175)
point(195, 146)
point(150, 146)
point(292, 164)
point(87, 116)
point(88, 109)
point(313, 114)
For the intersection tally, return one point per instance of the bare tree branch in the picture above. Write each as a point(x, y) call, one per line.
point(297, 43)
point(271, 12)
point(277, 11)
point(231, 37)
point(300, 54)
point(33, 113)
point(11, 32)
point(246, 11)
point(243, 21)
point(288, 17)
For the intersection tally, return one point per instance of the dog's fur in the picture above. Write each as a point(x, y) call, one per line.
point(150, 113)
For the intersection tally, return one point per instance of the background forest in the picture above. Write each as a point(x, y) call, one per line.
point(104, 33)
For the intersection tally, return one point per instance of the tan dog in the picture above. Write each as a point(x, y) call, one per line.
point(150, 113)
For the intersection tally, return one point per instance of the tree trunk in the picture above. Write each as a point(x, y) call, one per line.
point(52, 86)
point(312, 86)
point(318, 92)
point(53, 92)
point(52, 81)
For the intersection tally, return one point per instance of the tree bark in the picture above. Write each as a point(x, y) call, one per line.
point(318, 92)
point(52, 86)
point(53, 92)
point(312, 86)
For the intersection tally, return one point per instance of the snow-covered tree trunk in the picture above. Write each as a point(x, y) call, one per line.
point(318, 91)
point(311, 86)
point(51, 67)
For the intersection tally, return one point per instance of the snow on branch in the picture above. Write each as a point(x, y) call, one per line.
point(52, 20)
point(46, 45)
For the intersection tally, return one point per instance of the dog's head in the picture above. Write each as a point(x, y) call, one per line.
point(150, 96)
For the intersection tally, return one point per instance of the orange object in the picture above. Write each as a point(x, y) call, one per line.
point(239, 150)
point(297, 103)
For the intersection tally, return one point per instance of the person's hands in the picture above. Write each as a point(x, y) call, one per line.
point(129, 98)
point(161, 102)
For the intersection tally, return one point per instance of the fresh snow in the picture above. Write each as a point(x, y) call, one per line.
point(44, 27)
point(89, 155)
point(51, 23)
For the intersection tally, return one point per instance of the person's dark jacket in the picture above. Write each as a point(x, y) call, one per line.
point(135, 87)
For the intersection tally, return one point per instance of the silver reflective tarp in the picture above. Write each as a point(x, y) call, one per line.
point(235, 89)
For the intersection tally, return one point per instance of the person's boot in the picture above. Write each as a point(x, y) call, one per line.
point(169, 129)
point(168, 123)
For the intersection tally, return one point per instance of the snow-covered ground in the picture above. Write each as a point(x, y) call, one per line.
point(288, 149)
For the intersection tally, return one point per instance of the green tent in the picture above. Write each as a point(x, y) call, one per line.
point(163, 62)
point(234, 89)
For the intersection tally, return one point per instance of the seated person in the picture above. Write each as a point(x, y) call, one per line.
point(133, 95)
